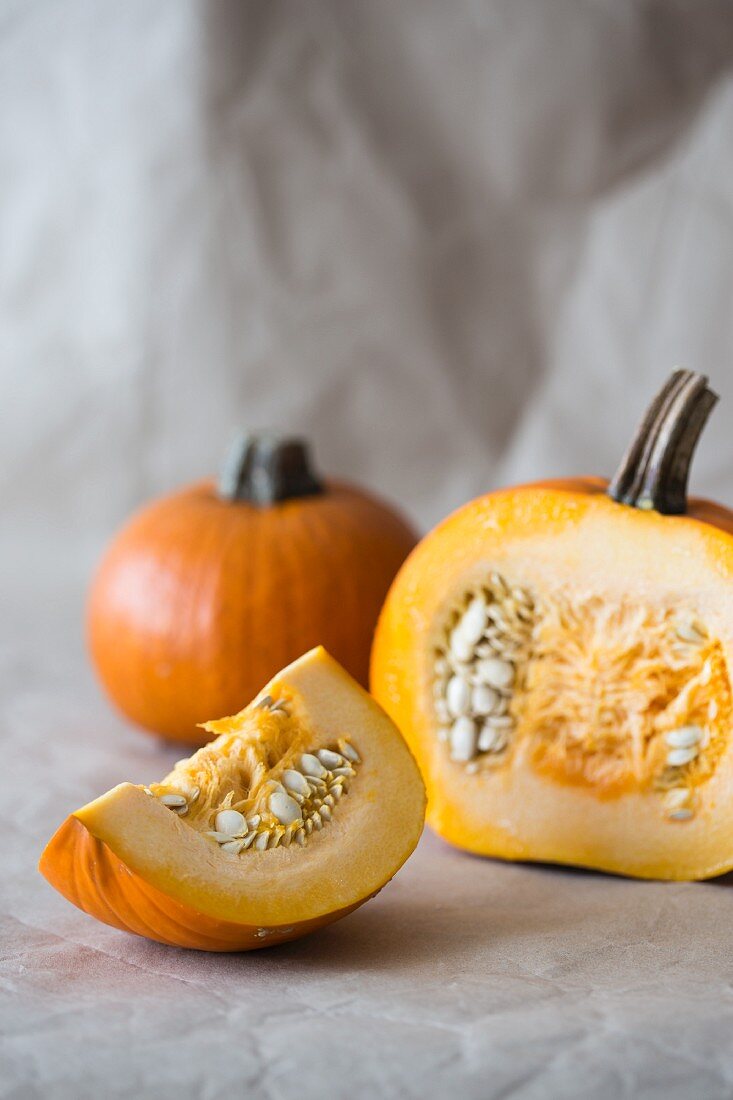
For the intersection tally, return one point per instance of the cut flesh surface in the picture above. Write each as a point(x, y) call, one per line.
point(311, 848)
point(559, 664)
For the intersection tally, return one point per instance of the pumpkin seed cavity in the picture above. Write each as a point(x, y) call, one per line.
point(253, 788)
point(614, 697)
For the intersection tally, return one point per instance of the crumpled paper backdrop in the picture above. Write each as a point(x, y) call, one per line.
point(457, 245)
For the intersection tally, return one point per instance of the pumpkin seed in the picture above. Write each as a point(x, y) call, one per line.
point(495, 673)
point(231, 822)
point(173, 800)
point(285, 808)
point(463, 739)
point(348, 750)
point(677, 758)
point(684, 737)
point(310, 765)
point(677, 798)
point(458, 696)
point(473, 622)
point(692, 632)
point(483, 700)
point(233, 846)
point(330, 759)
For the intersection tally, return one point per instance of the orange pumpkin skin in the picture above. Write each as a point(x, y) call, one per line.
point(89, 875)
point(199, 600)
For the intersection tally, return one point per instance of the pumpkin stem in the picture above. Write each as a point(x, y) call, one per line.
point(654, 471)
point(265, 469)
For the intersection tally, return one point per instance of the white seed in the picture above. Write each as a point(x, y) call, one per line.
point(262, 841)
point(308, 826)
point(173, 800)
point(330, 759)
point(483, 700)
point(328, 800)
point(495, 672)
point(325, 812)
point(310, 765)
point(336, 791)
point(712, 709)
point(253, 822)
point(441, 667)
point(285, 808)
point(286, 838)
point(458, 696)
point(677, 758)
point(193, 794)
point(220, 838)
point(300, 837)
point(463, 739)
point(233, 846)
point(684, 737)
point(316, 820)
point(344, 771)
point(682, 814)
point(500, 721)
point(676, 798)
point(461, 648)
point(692, 632)
point(488, 739)
point(276, 836)
point(317, 784)
point(266, 701)
point(248, 840)
point(472, 624)
point(231, 822)
point(441, 711)
point(348, 750)
point(180, 810)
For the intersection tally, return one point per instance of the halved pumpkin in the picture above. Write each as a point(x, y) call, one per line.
point(304, 806)
point(558, 656)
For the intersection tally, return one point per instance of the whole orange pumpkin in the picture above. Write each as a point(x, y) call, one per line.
point(204, 594)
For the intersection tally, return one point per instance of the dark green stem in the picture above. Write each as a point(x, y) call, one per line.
point(655, 469)
point(266, 469)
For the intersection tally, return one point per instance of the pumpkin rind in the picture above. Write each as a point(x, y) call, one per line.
point(89, 875)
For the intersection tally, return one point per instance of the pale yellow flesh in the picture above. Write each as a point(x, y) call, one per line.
point(513, 811)
point(374, 827)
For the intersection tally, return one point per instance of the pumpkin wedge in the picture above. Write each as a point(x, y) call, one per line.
point(558, 657)
point(306, 803)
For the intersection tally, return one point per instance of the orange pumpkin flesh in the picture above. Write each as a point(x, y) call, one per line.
point(200, 599)
point(609, 745)
point(132, 862)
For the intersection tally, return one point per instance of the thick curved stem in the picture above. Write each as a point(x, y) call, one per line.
point(267, 469)
point(654, 471)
